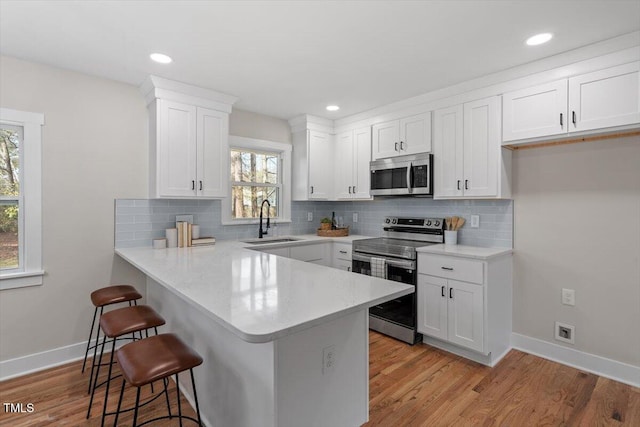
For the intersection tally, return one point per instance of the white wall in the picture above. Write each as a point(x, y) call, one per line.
point(94, 150)
point(577, 226)
point(259, 126)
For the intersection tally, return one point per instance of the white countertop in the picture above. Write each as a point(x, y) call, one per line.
point(465, 251)
point(257, 296)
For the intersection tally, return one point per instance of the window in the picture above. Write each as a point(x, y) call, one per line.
point(20, 194)
point(258, 170)
point(255, 177)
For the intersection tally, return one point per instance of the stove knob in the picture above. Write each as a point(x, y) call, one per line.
point(437, 224)
point(387, 220)
point(394, 221)
point(428, 223)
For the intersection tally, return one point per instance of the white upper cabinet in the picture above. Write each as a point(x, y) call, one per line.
point(535, 112)
point(352, 156)
point(598, 100)
point(188, 130)
point(320, 165)
point(313, 162)
point(409, 135)
point(469, 160)
point(605, 98)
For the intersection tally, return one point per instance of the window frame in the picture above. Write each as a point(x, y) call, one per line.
point(29, 272)
point(260, 145)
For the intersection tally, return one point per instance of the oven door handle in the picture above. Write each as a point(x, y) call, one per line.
point(400, 263)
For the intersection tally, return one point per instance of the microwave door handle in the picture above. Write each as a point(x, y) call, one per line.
point(410, 177)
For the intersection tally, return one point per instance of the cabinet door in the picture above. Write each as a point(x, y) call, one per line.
point(482, 147)
point(344, 161)
point(176, 149)
point(320, 165)
point(361, 160)
point(386, 140)
point(212, 153)
point(415, 134)
point(535, 112)
point(447, 152)
point(605, 98)
point(432, 306)
point(465, 317)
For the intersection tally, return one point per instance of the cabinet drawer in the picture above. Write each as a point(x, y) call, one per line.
point(342, 251)
point(452, 268)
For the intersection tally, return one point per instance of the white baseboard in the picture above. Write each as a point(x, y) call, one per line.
point(40, 361)
point(598, 365)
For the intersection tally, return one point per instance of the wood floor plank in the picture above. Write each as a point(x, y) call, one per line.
point(409, 386)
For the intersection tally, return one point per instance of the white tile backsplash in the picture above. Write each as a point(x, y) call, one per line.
point(139, 221)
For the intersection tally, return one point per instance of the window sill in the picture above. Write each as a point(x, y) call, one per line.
point(21, 280)
point(256, 221)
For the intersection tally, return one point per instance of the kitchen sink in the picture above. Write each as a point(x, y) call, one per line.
point(274, 240)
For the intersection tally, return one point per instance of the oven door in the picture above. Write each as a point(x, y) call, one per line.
point(401, 311)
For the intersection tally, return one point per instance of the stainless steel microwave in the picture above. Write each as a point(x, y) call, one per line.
point(402, 176)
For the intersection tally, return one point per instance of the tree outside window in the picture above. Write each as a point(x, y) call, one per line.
point(10, 141)
point(255, 177)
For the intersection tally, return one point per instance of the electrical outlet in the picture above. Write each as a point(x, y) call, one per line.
point(328, 359)
point(568, 296)
point(355, 217)
point(475, 221)
point(309, 216)
point(565, 333)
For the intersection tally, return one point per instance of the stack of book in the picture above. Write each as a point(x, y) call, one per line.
point(185, 238)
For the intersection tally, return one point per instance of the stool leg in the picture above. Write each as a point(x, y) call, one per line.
point(135, 411)
point(166, 395)
point(106, 393)
point(179, 405)
point(93, 324)
point(195, 396)
point(95, 381)
point(95, 352)
point(115, 422)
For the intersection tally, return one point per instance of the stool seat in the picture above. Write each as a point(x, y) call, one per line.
point(129, 319)
point(155, 358)
point(114, 294)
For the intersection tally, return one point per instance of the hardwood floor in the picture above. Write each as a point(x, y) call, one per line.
point(409, 386)
point(424, 386)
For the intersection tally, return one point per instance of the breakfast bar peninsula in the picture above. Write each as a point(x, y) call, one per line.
point(284, 342)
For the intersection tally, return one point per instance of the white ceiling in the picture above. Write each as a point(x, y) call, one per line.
point(288, 58)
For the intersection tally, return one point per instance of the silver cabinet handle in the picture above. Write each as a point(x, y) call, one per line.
point(447, 268)
point(561, 124)
point(442, 291)
point(451, 293)
point(573, 117)
point(466, 184)
point(401, 145)
point(200, 185)
point(312, 189)
point(396, 146)
point(193, 185)
point(458, 184)
point(349, 189)
point(354, 189)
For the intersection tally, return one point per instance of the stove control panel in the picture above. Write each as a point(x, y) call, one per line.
point(418, 223)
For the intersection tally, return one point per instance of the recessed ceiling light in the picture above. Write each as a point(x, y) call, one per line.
point(332, 108)
point(161, 58)
point(539, 39)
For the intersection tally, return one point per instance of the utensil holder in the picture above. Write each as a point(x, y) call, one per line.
point(450, 237)
point(195, 231)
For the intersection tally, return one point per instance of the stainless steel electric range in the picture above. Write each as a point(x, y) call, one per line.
point(394, 257)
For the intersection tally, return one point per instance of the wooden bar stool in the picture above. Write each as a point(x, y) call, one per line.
point(115, 324)
point(106, 296)
point(152, 359)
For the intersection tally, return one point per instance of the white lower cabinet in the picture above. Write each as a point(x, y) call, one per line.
point(341, 256)
point(452, 311)
point(465, 304)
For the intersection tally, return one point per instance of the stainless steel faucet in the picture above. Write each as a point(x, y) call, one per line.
point(266, 231)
